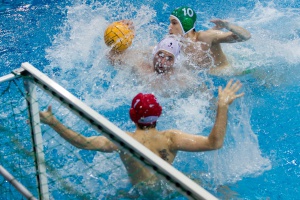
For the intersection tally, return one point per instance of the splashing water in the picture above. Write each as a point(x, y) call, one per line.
point(80, 50)
point(78, 61)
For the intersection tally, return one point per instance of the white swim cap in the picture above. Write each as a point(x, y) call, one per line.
point(169, 44)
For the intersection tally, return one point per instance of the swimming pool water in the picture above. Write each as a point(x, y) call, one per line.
point(56, 36)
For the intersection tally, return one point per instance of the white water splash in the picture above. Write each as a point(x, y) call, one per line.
point(79, 55)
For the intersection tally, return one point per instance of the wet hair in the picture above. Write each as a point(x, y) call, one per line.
point(144, 127)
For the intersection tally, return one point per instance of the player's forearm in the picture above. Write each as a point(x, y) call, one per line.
point(216, 137)
point(72, 137)
point(242, 33)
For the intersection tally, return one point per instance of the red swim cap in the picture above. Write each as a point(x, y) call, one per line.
point(145, 110)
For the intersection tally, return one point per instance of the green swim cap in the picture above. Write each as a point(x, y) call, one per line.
point(187, 18)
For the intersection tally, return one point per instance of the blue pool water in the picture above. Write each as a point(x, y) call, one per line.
point(260, 158)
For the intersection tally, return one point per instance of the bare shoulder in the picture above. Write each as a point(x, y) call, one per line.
point(172, 133)
point(210, 32)
point(205, 36)
point(181, 141)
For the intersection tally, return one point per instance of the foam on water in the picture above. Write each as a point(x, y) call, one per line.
point(273, 50)
point(241, 156)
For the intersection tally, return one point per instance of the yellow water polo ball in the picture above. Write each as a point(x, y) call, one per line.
point(118, 36)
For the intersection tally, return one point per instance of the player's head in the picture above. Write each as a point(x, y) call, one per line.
point(165, 54)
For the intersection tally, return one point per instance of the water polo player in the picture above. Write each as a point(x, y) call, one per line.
point(145, 112)
point(203, 47)
point(165, 55)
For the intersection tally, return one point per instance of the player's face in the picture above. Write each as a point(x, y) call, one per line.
point(174, 27)
point(163, 61)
